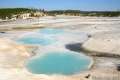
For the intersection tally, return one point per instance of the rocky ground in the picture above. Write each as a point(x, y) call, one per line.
point(103, 45)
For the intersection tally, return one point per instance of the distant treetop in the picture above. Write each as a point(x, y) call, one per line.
point(8, 12)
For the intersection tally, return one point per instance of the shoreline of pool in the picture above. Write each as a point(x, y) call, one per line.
point(34, 54)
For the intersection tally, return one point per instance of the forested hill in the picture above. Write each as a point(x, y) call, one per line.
point(12, 11)
point(85, 13)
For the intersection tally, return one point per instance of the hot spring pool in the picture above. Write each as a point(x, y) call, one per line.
point(50, 31)
point(42, 37)
point(36, 40)
point(50, 36)
point(65, 63)
point(56, 58)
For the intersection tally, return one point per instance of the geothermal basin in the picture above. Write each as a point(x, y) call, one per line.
point(55, 58)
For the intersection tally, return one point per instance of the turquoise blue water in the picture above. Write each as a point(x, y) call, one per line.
point(51, 31)
point(66, 63)
point(37, 40)
point(45, 39)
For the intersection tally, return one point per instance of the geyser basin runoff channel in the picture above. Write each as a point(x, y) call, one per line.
point(65, 63)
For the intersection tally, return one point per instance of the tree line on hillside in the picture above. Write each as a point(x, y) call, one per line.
point(65, 12)
point(8, 12)
point(85, 13)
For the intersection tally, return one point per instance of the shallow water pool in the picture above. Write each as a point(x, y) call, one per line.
point(37, 40)
point(65, 63)
point(50, 36)
point(55, 58)
point(50, 31)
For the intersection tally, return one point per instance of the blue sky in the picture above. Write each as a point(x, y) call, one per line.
point(94, 5)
